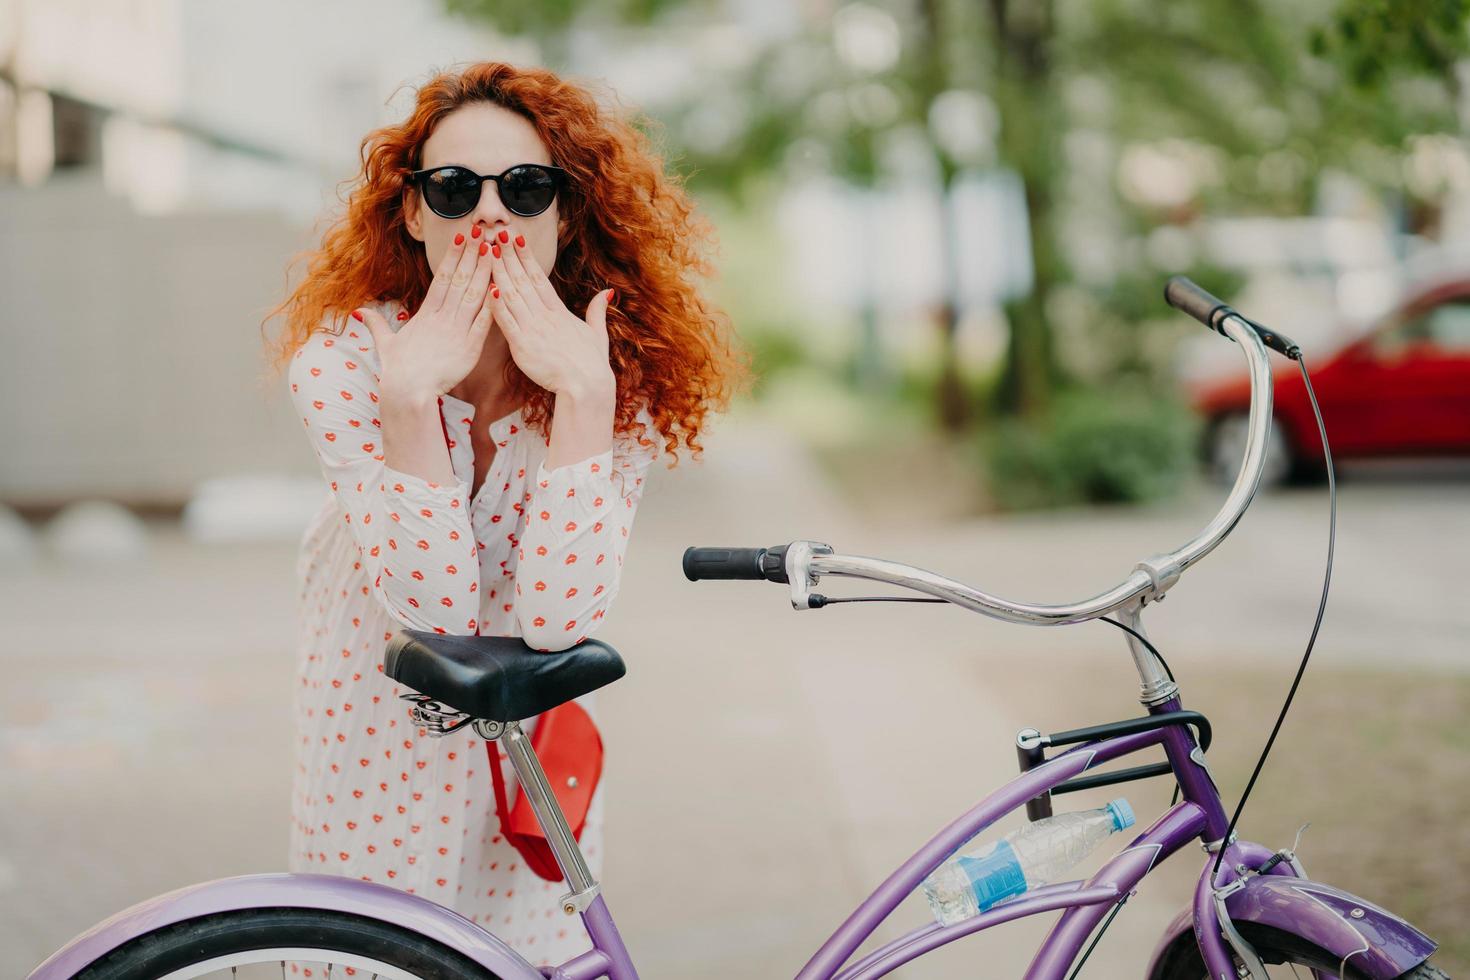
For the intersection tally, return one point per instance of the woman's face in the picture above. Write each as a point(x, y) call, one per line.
point(487, 139)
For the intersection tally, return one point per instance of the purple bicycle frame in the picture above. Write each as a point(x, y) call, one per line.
point(1342, 924)
point(1086, 902)
point(1200, 815)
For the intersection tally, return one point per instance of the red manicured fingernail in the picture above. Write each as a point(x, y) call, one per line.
point(475, 232)
point(496, 250)
point(459, 239)
point(520, 241)
point(484, 247)
point(403, 314)
point(495, 291)
point(358, 317)
point(504, 235)
point(612, 294)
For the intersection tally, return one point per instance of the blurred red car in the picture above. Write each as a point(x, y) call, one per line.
point(1403, 389)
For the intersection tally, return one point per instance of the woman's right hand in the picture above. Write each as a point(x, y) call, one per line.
point(439, 345)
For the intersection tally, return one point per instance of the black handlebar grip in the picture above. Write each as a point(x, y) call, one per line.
point(1185, 295)
point(733, 563)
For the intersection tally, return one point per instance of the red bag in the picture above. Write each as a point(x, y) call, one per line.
point(569, 746)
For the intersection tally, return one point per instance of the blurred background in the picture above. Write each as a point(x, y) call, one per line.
point(945, 227)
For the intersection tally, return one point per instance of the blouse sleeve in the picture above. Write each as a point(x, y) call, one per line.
point(570, 558)
point(413, 536)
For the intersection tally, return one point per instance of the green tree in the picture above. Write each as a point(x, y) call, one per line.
point(1238, 78)
point(550, 22)
point(1275, 92)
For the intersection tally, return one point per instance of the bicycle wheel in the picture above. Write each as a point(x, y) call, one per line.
point(292, 943)
point(1284, 955)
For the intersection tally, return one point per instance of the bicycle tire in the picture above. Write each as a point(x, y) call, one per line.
point(196, 942)
point(1425, 971)
point(1182, 961)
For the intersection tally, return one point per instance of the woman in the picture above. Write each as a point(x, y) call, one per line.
point(486, 447)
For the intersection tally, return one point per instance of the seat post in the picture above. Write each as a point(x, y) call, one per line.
point(549, 814)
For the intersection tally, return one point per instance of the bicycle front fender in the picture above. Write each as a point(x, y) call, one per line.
point(1356, 932)
point(334, 893)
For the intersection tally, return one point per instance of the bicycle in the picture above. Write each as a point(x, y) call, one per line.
point(1252, 906)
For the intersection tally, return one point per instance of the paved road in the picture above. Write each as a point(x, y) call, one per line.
point(767, 768)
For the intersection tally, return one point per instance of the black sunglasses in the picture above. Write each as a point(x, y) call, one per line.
point(527, 189)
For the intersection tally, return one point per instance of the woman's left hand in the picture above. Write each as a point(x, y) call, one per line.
point(554, 347)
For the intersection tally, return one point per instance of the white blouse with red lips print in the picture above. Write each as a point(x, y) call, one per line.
point(537, 553)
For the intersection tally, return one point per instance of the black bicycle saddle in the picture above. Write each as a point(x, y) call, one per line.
point(498, 678)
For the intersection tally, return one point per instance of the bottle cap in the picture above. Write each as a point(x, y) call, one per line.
point(1122, 814)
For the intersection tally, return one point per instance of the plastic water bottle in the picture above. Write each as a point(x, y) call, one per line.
point(1040, 852)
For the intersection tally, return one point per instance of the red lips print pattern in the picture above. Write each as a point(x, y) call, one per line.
point(390, 550)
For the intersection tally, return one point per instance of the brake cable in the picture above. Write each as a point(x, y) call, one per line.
point(1321, 608)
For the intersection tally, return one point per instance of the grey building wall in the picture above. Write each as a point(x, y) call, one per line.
point(131, 355)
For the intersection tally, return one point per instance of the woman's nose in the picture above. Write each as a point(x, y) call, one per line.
point(491, 212)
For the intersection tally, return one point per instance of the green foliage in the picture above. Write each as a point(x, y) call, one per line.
point(775, 349)
point(1369, 37)
point(549, 21)
point(1256, 98)
point(1129, 330)
point(1138, 295)
point(916, 388)
point(1279, 91)
point(1097, 445)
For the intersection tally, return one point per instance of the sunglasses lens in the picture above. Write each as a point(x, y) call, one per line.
point(452, 192)
point(527, 190)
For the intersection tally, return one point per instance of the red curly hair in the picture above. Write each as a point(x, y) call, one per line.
point(627, 225)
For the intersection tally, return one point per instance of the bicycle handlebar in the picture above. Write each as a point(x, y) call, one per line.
point(802, 563)
point(1183, 294)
